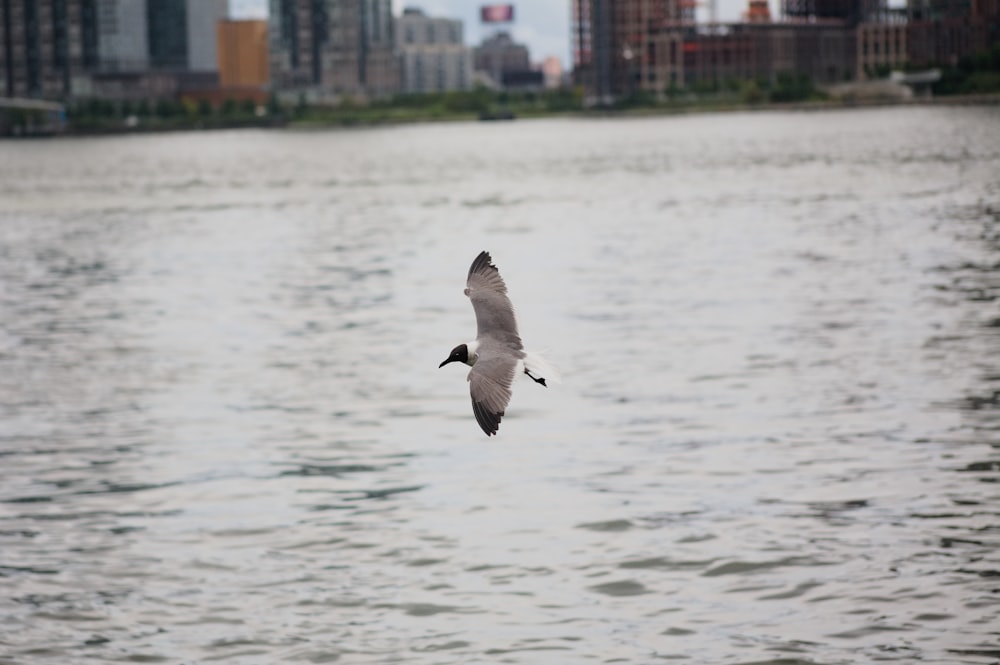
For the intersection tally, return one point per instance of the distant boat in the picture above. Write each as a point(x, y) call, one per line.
point(498, 114)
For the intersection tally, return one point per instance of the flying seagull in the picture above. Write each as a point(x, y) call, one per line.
point(496, 356)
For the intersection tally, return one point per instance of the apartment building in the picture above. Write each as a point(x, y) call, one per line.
point(330, 48)
point(432, 54)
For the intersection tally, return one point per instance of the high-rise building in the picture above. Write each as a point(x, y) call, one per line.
point(167, 33)
point(623, 46)
point(181, 33)
point(333, 47)
point(415, 28)
point(881, 47)
point(202, 17)
point(46, 45)
point(242, 53)
point(499, 55)
point(112, 48)
point(941, 32)
point(122, 43)
point(552, 72)
point(432, 54)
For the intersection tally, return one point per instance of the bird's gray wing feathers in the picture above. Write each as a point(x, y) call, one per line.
point(490, 381)
point(494, 312)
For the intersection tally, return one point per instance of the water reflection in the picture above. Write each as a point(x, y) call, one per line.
point(222, 435)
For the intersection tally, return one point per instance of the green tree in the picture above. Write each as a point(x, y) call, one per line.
point(705, 86)
point(751, 93)
point(563, 99)
point(638, 98)
point(972, 75)
point(302, 106)
point(273, 106)
point(791, 87)
point(167, 108)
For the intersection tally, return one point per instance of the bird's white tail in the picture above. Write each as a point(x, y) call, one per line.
point(540, 367)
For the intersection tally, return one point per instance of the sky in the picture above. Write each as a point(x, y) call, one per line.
point(542, 25)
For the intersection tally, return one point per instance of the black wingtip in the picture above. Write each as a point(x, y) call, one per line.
point(488, 420)
point(482, 262)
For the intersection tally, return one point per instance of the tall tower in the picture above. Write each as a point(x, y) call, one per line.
point(181, 33)
point(242, 50)
point(593, 46)
point(167, 33)
point(622, 46)
point(202, 19)
point(333, 46)
point(433, 55)
point(46, 44)
point(57, 48)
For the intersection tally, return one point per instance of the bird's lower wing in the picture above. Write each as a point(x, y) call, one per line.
point(490, 381)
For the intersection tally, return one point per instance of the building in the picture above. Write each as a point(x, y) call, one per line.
point(242, 64)
point(202, 17)
point(654, 46)
point(414, 28)
point(122, 35)
point(51, 48)
point(882, 47)
point(432, 54)
point(941, 32)
point(758, 11)
point(499, 56)
point(242, 53)
point(717, 59)
point(118, 49)
point(166, 30)
point(181, 33)
point(331, 48)
point(626, 46)
point(154, 49)
point(644, 37)
point(46, 46)
point(552, 72)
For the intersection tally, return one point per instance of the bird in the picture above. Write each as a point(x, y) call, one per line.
point(497, 355)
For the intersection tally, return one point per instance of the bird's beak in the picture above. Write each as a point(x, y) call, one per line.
point(444, 363)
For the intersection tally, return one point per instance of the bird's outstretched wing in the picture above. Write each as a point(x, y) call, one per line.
point(494, 312)
point(490, 381)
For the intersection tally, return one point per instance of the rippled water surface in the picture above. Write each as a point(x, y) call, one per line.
point(224, 435)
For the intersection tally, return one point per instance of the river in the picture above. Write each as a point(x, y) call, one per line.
point(224, 435)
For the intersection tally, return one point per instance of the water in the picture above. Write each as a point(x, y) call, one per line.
point(224, 435)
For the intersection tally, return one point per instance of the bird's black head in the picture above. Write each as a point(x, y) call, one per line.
point(460, 354)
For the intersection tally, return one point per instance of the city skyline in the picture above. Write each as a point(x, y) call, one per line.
point(542, 25)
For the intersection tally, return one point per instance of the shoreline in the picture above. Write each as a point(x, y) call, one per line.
point(387, 117)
